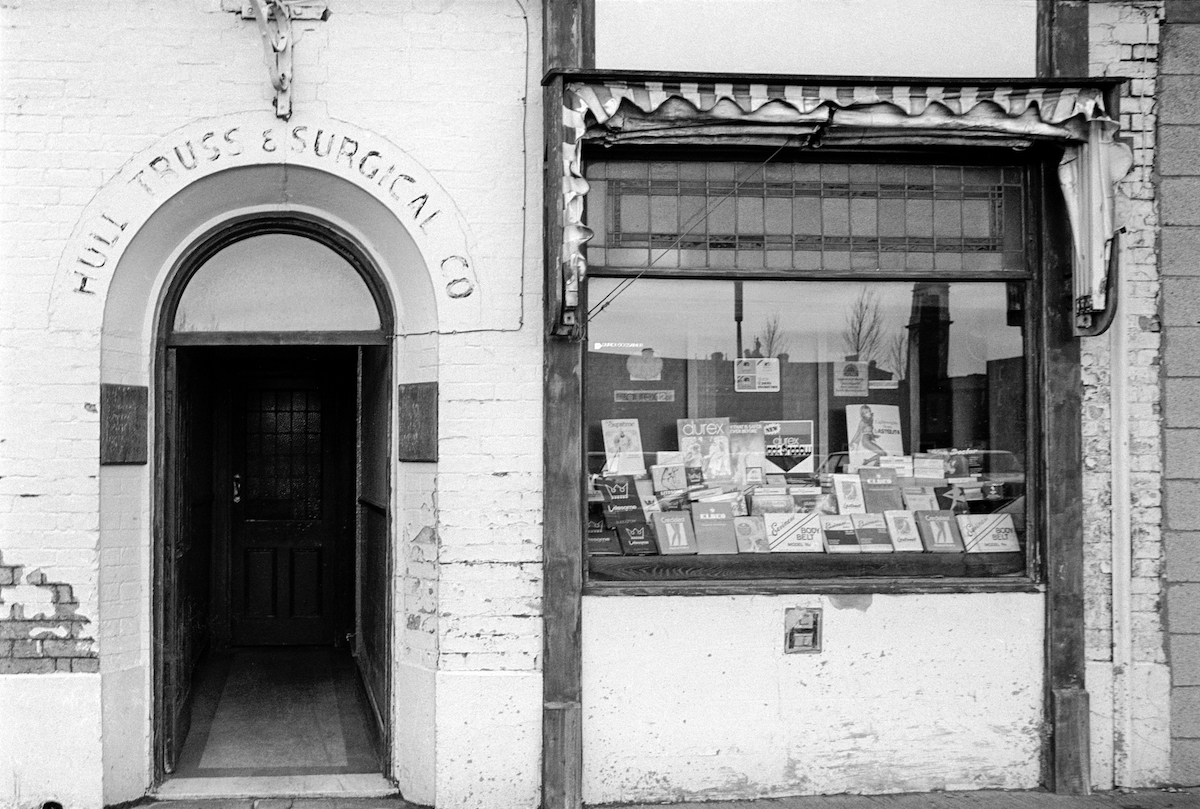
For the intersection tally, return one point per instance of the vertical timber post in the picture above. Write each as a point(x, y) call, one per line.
point(1062, 52)
point(567, 43)
point(1068, 768)
point(1062, 39)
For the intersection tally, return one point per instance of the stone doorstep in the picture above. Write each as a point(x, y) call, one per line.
point(280, 803)
point(1170, 798)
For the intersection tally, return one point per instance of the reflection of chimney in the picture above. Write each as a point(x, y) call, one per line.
point(929, 329)
point(930, 410)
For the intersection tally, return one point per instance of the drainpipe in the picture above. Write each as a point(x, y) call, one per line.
point(1122, 543)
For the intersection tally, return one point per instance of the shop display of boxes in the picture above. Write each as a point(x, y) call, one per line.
point(727, 498)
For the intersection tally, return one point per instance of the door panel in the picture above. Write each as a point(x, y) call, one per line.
point(285, 529)
point(374, 494)
point(187, 546)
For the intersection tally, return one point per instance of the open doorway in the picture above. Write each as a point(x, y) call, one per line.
point(272, 599)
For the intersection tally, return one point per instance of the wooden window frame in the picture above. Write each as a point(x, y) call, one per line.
point(893, 573)
point(568, 38)
point(1054, 378)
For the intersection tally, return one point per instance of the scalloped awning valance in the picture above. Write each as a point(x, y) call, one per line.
point(743, 111)
point(658, 111)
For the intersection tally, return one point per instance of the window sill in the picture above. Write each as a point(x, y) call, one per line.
point(751, 574)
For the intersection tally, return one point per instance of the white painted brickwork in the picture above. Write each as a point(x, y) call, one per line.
point(1124, 42)
point(86, 86)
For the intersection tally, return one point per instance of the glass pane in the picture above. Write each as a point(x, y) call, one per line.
point(276, 282)
point(766, 398)
point(829, 216)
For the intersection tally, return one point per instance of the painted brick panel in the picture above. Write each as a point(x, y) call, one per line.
point(1124, 41)
point(1180, 100)
point(1185, 712)
point(1181, 49)
point(1183, 556)
point(1185, 660)
point(1180, 201)
point(1182, 402)
point(1182, 352)
point(1185, 761)
point(1183, 453)
point(1181, 306)
point(1183, 504)
point(1181, 251)
point(1180, 150)
point(1183, 608)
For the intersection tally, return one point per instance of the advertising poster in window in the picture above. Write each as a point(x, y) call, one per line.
point(623, 446)
point(789, 446)
point(850, 379)
point(756, 375)
point(874, 434)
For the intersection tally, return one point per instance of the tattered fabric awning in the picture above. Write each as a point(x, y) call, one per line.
point(613, 109)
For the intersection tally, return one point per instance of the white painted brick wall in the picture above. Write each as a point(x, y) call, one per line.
point(87, 84)
point(1124, 42)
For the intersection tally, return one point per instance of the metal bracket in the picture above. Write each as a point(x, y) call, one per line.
point(275, 24)
point(274, 18)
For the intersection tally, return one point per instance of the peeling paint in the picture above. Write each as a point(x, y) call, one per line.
point(850, 602)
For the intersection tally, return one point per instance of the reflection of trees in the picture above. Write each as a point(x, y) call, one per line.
point(897, 354)
point(773, 340)
point(863, 334)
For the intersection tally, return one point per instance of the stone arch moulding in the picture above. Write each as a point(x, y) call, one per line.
point(208, 147)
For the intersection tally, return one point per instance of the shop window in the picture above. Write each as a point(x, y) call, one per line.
point(807, 371)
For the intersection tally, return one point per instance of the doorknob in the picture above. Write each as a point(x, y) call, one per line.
point(237, 488)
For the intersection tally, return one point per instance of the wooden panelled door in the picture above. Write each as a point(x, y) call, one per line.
point(286, 522)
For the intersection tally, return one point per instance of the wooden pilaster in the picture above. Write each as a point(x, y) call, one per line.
point(1062, 38)
point(568, 43)
point(1061, 485)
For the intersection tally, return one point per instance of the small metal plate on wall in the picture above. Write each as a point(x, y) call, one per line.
point(802, 630)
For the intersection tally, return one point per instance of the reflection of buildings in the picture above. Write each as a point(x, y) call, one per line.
point(980, 411)
point(931, 408)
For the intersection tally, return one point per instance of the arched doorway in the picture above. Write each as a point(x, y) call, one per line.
point(273, 477)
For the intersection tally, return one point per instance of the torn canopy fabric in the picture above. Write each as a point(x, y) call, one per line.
point(848, 115)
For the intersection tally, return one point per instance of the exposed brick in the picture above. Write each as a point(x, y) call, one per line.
point(26, 648)
point(1183, 608)
point(66, 648)
point(26, 665)
point(18, 629)
point(86, 665)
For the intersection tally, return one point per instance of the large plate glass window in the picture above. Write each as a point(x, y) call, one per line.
point(806, 370)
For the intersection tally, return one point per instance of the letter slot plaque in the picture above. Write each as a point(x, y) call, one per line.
point(802, 630)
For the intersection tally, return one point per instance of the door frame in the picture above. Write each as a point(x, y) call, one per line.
point(166, 425)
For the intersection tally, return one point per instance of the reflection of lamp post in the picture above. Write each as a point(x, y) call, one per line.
point(737, 315)
point(928, 367)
